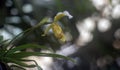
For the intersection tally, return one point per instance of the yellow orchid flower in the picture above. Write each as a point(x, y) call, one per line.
point(57, 30)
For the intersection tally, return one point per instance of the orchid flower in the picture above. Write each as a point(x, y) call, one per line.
point(56, 28)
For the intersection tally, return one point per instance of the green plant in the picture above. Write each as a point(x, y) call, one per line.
point(15, 55)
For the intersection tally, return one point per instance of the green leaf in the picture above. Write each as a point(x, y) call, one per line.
point(2, 52)
point(19, 37)
point(26, 60)
point(57, 56)
point(18, 62)
point(16, 66)
point(1, 38)
point(4, 41)
point(22, 47)
point(26, 54)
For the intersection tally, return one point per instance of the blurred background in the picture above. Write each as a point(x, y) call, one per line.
point(93, 34)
